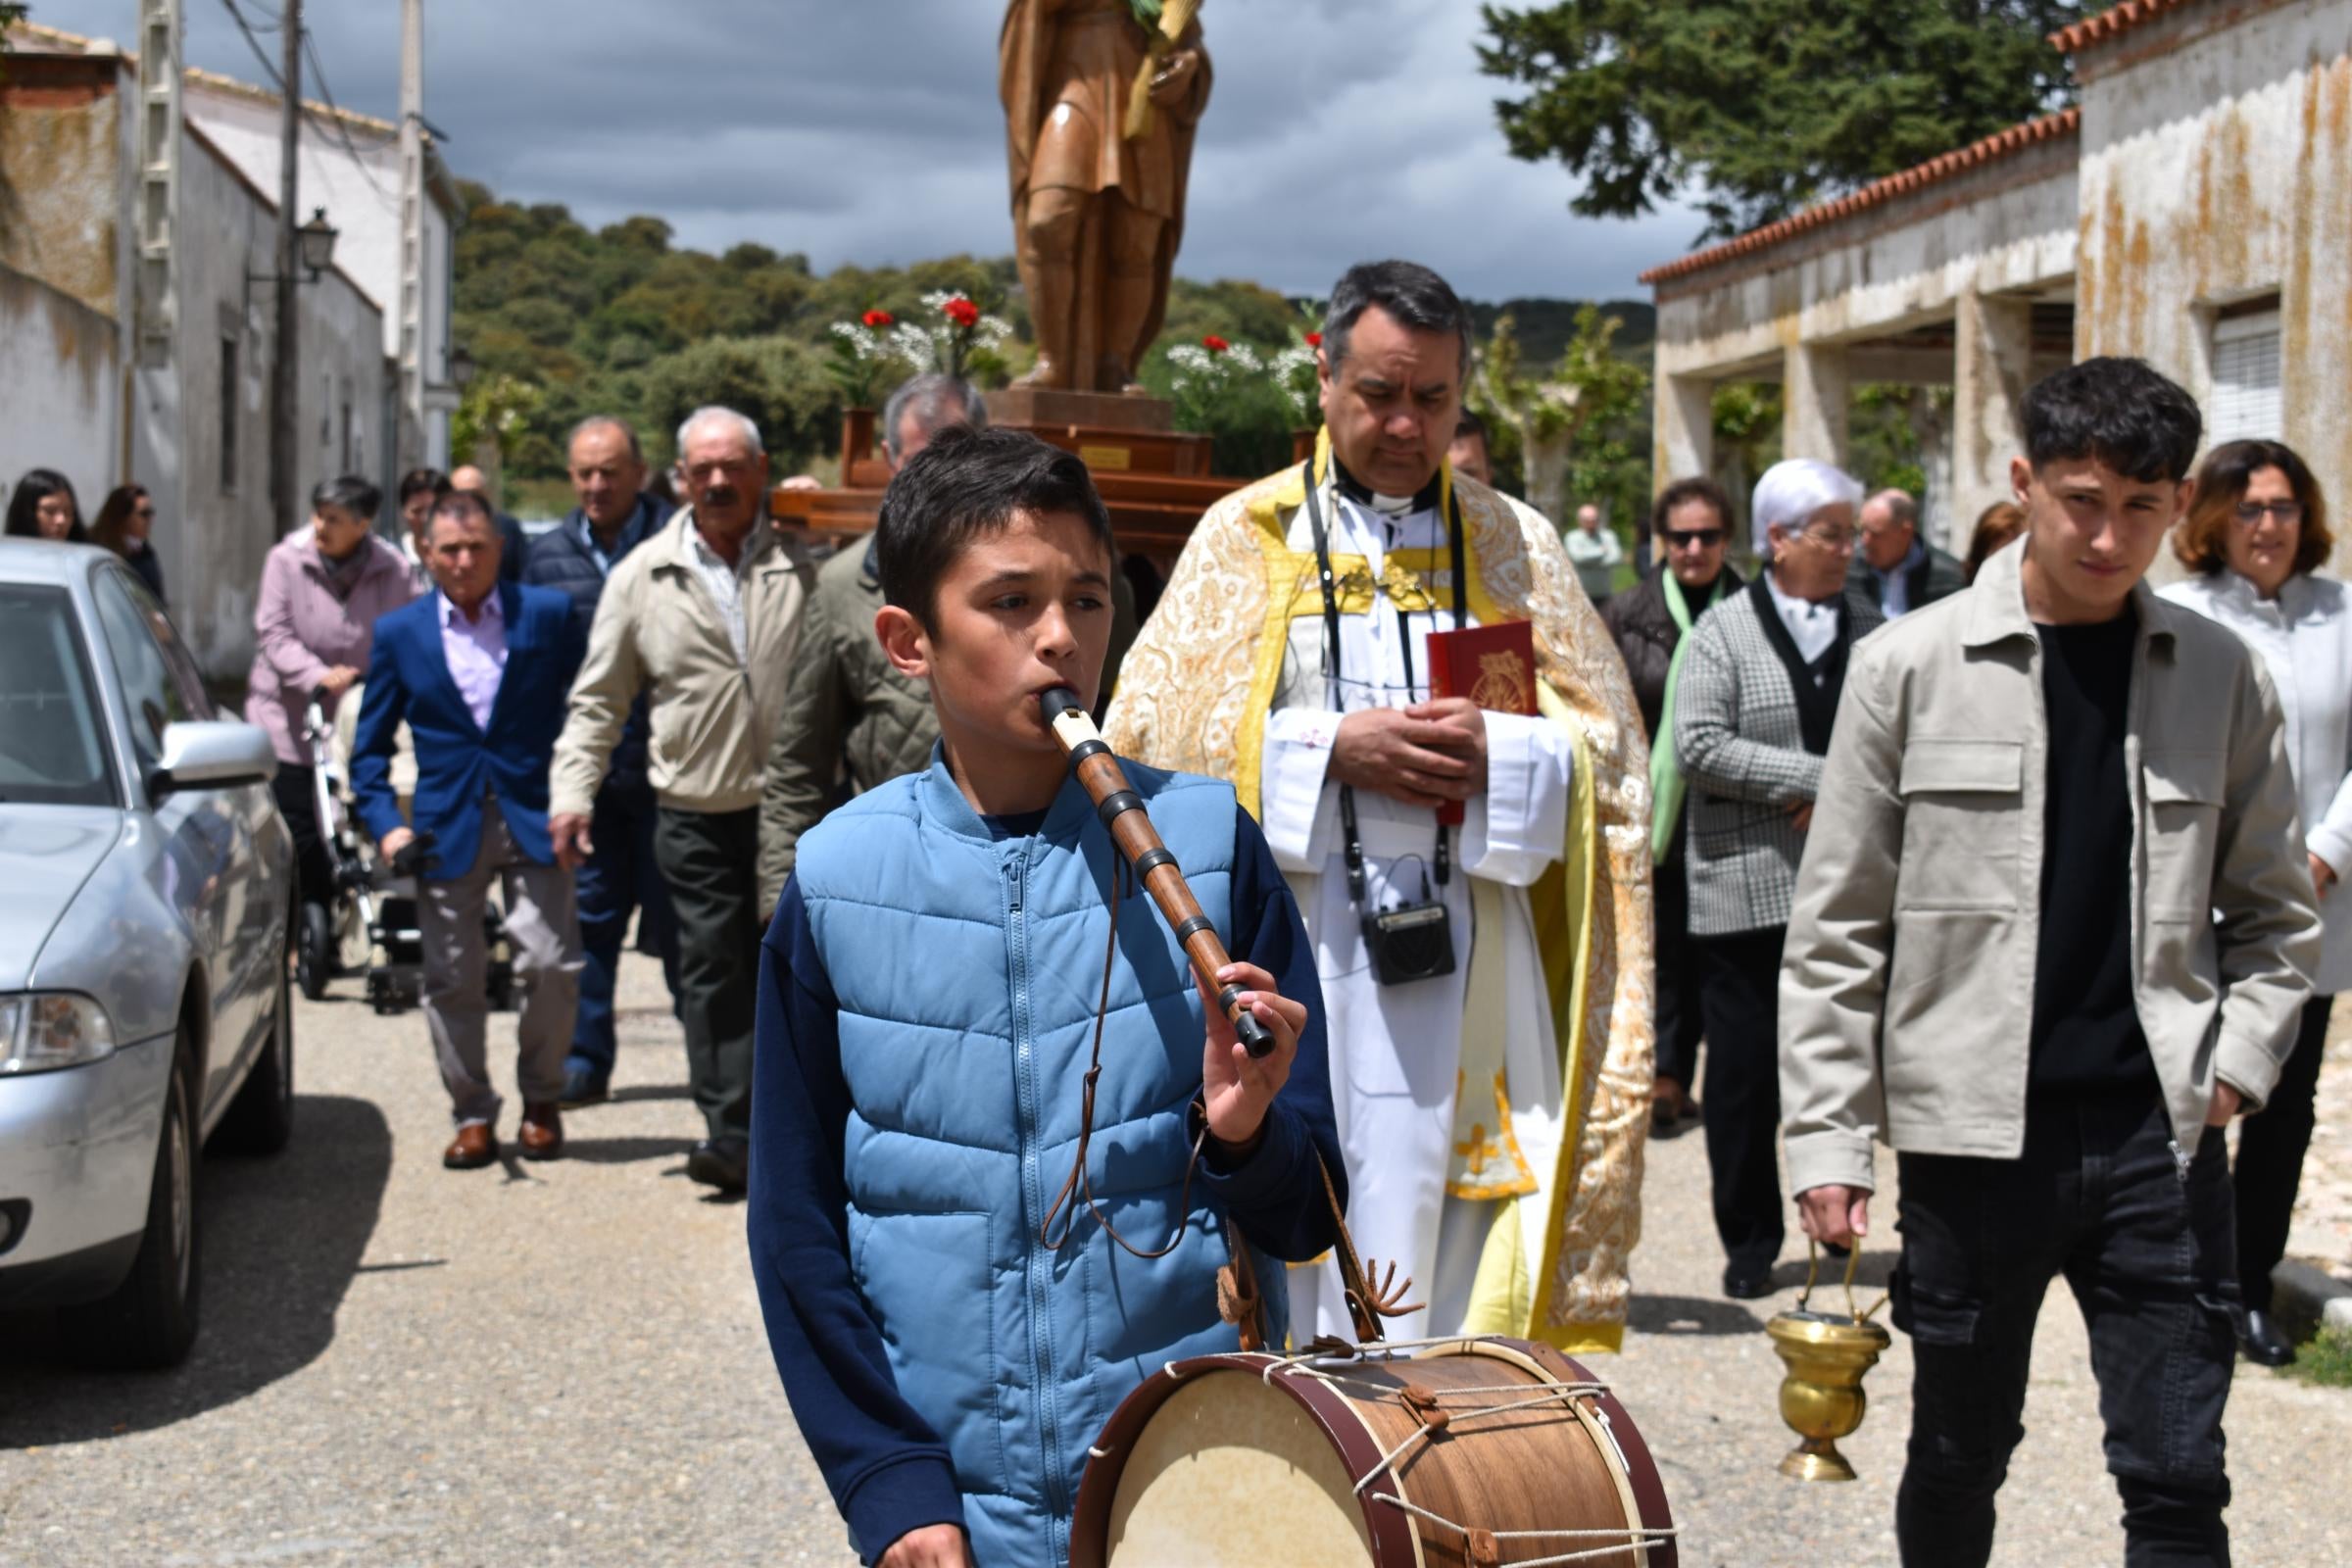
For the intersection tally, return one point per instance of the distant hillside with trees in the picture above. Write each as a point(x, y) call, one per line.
point(563, 321)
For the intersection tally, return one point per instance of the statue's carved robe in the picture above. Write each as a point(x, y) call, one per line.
point(1520, 1085)
point(1064, 69)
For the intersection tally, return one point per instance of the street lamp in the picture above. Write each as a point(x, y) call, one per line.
point(459, 365)
point(314, 251)
point(316, 241)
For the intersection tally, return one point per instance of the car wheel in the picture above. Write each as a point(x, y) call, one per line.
point(149, 1322)
point(261, 1118)
point(314, 951)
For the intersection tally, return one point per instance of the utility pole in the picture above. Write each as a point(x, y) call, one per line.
point(414, 443)
point(283, 386)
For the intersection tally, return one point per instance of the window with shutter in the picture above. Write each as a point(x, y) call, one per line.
point(2246, 403)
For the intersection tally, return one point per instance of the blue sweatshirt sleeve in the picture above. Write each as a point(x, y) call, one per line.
point(888, 1471)
point(1276, 1196)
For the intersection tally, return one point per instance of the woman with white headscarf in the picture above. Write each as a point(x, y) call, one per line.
point(1758, 690)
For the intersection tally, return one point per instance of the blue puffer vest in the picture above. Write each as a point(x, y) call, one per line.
point(967, 971)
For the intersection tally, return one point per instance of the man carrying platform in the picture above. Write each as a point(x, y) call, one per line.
point(1492, 1087)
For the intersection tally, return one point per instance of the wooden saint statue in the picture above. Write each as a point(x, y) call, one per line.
point(1100, 100)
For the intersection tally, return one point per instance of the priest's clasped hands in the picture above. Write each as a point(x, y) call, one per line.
point(1425, 754)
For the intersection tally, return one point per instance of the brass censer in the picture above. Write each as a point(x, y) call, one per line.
point(1827, 1353)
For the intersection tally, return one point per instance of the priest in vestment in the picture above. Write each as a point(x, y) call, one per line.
point(1492, 1116)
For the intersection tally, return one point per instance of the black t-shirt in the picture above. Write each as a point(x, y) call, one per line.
point(2086, 1034)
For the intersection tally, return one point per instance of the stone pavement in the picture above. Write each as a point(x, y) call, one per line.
point(564, 1364)
point(1701, 1381)
point(399, 1364)
point(2323, 1229)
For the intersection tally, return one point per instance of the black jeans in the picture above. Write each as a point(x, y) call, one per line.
point(1681, 1024)
point(293, 789)
point(710, 861)
point(2144, 1241)
point(1739, 996)
point(2270, 1158)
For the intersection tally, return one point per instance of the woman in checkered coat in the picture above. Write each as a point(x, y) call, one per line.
point(1753, 708)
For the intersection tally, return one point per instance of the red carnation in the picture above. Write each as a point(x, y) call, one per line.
point(880, 318)
point(962, 311)
point(1215, 344)
point(1314, 340)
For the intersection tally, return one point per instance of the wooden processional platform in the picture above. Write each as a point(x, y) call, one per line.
point(1153, 477)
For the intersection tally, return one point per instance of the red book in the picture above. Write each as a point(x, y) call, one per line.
point(1494, 667)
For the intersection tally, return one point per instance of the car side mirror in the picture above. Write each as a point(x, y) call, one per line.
point(211, 754)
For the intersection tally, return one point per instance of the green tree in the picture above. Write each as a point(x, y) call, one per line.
point(1752, 109)
point(1576, 428)
point(780, 381)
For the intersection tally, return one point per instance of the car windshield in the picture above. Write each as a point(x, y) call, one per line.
point(52, 750)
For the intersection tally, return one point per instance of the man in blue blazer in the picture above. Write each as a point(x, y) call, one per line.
point(480, 669)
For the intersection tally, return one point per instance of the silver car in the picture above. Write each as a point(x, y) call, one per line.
point(146, 880)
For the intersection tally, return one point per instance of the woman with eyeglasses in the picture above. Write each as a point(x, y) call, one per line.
point(42, 507)
point(1758, 690)
point(122, 527)
point(1692, 521)
point(2255, 536)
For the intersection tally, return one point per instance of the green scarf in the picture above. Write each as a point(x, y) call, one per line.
point(1665, 768)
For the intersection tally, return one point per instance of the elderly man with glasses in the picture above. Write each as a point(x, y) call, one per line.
point(1692, 521)
point(1894, 570)
point(1758, 693)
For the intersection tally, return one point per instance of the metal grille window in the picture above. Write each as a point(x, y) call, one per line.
point(2247, 402)
point(228, 415)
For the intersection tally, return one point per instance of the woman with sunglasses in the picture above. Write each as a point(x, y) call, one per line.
point(122, 527)
point(1693, 521)
point(2255, 536)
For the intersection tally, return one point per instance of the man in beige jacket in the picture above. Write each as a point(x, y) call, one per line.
point(703, 619)
point(2052, 931)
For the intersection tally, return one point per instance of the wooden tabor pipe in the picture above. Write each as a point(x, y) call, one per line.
point(1132, 834)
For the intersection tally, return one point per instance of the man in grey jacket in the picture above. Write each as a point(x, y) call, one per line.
point(2057, 936)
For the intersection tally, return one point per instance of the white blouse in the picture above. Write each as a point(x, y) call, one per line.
point(2305, 639)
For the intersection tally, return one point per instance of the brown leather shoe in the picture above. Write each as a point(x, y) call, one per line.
point(542, 1133)
point(475, 1146)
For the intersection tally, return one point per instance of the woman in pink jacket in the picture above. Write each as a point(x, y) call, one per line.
point(322, 589)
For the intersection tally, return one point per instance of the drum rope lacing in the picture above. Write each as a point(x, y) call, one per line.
point(1638, 1538)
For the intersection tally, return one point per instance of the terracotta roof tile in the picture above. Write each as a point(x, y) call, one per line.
point(1944, 166)
point(2111, 21)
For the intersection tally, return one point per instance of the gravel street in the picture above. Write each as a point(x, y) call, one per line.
point(563, 1363)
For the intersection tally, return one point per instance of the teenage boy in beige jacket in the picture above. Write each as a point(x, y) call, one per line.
point(2052, 931)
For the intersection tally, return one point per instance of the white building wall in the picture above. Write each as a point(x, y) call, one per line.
point(214, 549)
point(62, 369)
point(362, 199)
point(2217, 168)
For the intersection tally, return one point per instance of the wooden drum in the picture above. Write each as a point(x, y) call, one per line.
point(1469, 1452)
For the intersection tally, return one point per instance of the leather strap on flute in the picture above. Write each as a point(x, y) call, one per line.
point(1155, 866)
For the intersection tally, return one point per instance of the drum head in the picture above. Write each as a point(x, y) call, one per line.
point(1230, 1473)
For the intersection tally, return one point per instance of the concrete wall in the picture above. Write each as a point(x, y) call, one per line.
point(215, 538)
point(2009, 225)
point(63, 374)
point(2216, 166)
point(60, 130)
point(362, 199)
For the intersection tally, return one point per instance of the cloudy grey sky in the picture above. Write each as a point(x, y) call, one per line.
point(869, 130)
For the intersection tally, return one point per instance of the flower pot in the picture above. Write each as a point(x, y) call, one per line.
point(856, 440)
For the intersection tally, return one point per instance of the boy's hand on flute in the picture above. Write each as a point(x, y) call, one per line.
point(1236, 1088)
